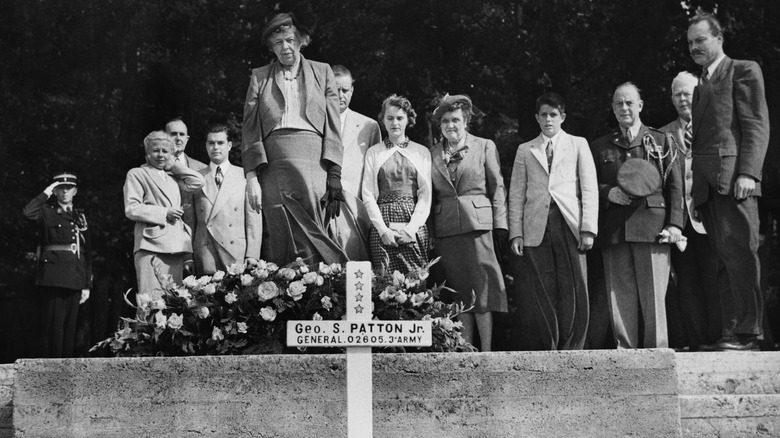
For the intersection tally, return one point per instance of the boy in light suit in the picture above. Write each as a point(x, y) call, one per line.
point(227, 230)
point(162, 241)
point(553, 220)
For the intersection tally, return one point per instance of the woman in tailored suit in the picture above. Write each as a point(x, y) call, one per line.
point(469, 211)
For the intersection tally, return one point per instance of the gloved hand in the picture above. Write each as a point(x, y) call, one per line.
point(331, 201)
point(50, 189)
point(500, 242)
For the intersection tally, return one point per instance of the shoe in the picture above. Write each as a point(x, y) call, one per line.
point(715, 346)
point(749, 343)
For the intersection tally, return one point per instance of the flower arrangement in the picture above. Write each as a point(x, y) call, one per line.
point(245, 310)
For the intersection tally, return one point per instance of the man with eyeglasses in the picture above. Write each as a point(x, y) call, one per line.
point(640, 214)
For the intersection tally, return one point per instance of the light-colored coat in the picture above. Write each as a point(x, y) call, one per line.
point(358, 134)
point(264, 106)
point(186, 197)
point(227, 229)
point(477, 199)
point(571, 183)
point(148, 194)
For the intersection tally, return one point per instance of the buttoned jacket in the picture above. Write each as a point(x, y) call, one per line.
point(644, 217)
point(476, 200)
point(730, 128)
point(677, 130)
point(70, 269)
point(264, 106)
point(227, 229)
point(359, 133)
point(148, 194)
point(570, 182)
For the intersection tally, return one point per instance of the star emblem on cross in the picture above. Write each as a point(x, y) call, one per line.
point(359, 285)
point(358, 309)
point(358, 274)
point(358, 297)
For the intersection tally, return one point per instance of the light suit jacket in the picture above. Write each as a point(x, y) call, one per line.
point(148, 193)
point(227, 230)
point(186, 197)
point(730, 128)
point(571, 183)
point(677, 130)
point(477, 199)
point(358, 135)
point(264, 106)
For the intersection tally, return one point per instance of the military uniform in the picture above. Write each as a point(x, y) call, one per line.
point(64, 270)
point(636, 267)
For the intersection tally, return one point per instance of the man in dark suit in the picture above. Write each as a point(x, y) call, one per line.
point(730, 139)
point(641, 206)
point(692, 303)
point(64, 270)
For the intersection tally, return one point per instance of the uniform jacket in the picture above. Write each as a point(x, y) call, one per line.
point(265, 103)
point(477, 199)
point(227, 229)
point(68, 269)
point(571, 183)
point(148, 193)
point(358, 135)
point(644, 218)
point(677, 130)
point(730, 128)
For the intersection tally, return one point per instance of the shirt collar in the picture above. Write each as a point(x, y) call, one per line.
point(213, 166)
point(554, 139)
point(714, 65)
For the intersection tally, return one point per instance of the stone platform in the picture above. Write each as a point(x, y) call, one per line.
point(653, 393)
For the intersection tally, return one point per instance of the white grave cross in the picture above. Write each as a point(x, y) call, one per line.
point(359, 333)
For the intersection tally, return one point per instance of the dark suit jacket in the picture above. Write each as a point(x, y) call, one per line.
point(265, 103)
point(730, 128)
point(67, 269)
point(644, 218)
point(477, 200)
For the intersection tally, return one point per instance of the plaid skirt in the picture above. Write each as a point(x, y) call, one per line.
point(397, 207)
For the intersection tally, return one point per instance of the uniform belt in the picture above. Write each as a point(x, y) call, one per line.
point(70, 248)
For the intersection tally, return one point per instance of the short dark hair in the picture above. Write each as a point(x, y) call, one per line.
point(340, 70)
point(631, 85)
point(552, 99)
point(400, 102)
point(715, 28)
point(215, 128)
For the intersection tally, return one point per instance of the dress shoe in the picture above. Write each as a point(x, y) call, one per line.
point(715, 346)
point(740, 344)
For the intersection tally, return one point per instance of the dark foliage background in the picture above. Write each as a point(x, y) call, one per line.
point(82, 82)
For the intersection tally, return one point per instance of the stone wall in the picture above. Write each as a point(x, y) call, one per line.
point(6, 400)
point(581, 393)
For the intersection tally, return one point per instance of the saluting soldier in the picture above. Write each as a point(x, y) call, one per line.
point(64, 269)
point(640, 212)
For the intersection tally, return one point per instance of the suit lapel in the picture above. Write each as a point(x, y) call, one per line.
point(563, 149)
point(157, 181)
point(437, 158)
point(703, 93)
point(537, 150)
point(223, 193)
point(210, 188)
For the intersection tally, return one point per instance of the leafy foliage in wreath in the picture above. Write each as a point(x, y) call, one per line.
point(245, 310)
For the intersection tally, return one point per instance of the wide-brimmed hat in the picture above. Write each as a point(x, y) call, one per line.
point(306, 27)
point(65, 179)
point(446, 103)
point(638, 178)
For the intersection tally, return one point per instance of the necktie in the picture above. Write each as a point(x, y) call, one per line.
point(549, 151)
point(218, 177)
point(688, 138)
point(629, 137)
point(705, 75)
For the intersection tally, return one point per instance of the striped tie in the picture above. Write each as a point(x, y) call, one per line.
point(688, 139)
point(218, 178)
point(549, 151)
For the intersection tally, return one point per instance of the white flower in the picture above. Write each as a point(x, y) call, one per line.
point(241, 326)
point(387, 294)
point(235, 268)
point(335, 268)
point(267, 290)
point(216, 334)
point(268, 313)
point(158, 304)
point(182, 292)
point(401, 297)
point(326, 303)
point(296, 290)
point(160, 320)
point(203, 312)
point(419, 299)
point(411, 282)
point(310, 278)
point(203, 281)
point(251, 262)
point(324, 269)
point(246, 279)
point(259, 273)
point(271, 267)
point(320, 280)
point(303, 269)
point(175, 321)
point(210, 289)
point(218, 276)
point(231, 297)
point(190, 282)
point(316, 317)
point(286, 274)
point(398, 278)
point(445, 323)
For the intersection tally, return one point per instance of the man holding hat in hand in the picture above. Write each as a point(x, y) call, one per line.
point(641, 210)
point(64, 269)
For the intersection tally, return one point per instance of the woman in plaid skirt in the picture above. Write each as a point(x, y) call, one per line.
point(397, 192)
